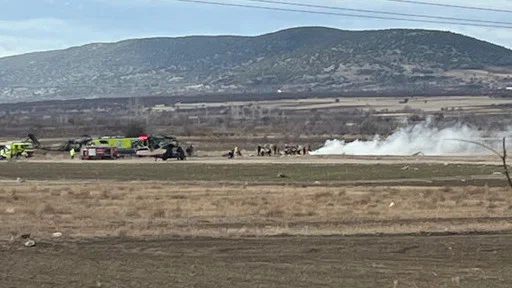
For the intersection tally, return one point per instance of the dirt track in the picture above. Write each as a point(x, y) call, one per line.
point(391, 261)
point(330, 159)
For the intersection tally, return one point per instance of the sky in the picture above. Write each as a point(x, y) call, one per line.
point(39, 25)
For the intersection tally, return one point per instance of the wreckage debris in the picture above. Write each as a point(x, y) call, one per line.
point(30, 243)
point(25, 236)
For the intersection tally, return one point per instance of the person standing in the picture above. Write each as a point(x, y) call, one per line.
point(236, 151)
point(72, 153)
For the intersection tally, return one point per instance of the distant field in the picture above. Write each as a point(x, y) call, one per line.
point(389, 104)
point(220, 125)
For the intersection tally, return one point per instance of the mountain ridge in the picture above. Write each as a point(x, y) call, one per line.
point(298, 59)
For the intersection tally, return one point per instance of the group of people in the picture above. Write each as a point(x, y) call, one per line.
point(235, 152)
point(273, 149)
point(267, 150)
point(6, 154)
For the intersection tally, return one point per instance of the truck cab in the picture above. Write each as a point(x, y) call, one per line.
point(18, 149)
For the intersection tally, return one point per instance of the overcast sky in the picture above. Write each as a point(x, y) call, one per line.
point(37, 25)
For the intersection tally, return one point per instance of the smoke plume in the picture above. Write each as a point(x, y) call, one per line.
point(422, 138)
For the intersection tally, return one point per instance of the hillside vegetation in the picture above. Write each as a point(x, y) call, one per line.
point(299, 59)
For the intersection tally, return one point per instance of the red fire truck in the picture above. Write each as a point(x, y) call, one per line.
point(99, 152)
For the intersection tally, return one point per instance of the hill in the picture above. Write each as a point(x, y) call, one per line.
point(299, 59)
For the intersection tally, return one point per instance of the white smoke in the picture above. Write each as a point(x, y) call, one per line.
point(420, 138)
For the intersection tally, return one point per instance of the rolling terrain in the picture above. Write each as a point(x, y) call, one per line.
point(304, 59)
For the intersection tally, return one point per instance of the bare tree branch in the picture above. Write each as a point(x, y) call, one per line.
point(502, 156)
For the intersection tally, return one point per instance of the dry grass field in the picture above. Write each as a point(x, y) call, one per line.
point(113, 209)
point(146, 224)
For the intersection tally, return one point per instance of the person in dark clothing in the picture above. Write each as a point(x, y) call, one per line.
point(190, 150)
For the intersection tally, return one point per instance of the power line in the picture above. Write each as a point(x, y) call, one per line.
point(377, 12)
point(340, 14)
point(452, 6)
